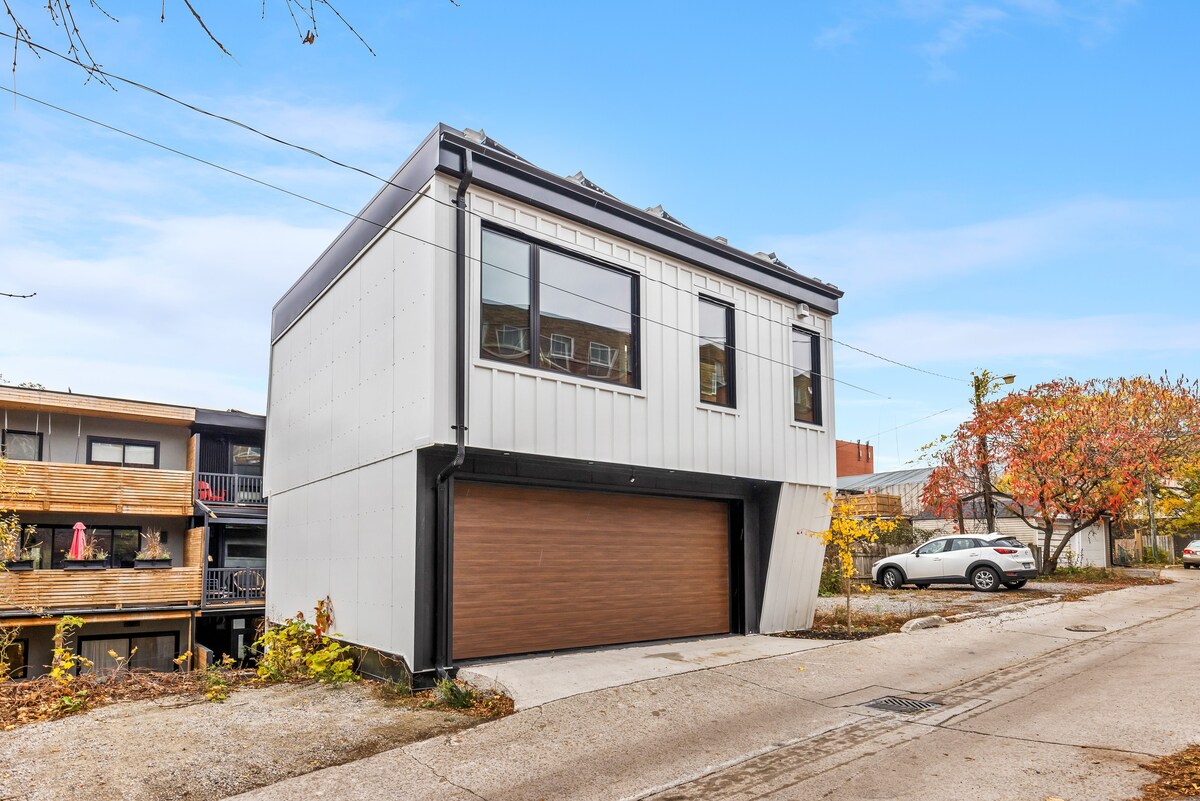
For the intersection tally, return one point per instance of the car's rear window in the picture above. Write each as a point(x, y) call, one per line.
point(1006, 542)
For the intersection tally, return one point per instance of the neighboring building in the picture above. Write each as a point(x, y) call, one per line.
point(1090, 547)
point(855, 458)
point(645, 432)
point(125, 469)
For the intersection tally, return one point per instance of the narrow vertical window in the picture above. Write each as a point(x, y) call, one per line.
point(504, 322)
point(806, 376)
point(716, 353)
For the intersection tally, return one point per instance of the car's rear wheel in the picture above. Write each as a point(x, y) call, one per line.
point(1015, 585)
point(985, 579)
point(891, 579)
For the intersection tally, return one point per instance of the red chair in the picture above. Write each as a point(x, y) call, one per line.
point(206, 493)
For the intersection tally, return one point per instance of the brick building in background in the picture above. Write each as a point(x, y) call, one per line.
point(855, 458)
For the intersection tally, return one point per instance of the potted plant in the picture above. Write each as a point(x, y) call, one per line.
point(152, 554)
point(15, 557)
point(89, 557)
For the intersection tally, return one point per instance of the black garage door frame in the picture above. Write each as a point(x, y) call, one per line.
point(752, 507)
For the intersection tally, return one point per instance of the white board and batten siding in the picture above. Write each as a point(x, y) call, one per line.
point(365, 377)
point(663, 424)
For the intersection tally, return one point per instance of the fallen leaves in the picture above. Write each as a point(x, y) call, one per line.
point(1179, 776)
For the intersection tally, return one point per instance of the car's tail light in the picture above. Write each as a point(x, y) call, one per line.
point(1188, 550)
point(1005, 550)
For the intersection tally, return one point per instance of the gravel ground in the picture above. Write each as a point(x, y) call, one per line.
point(182, 748)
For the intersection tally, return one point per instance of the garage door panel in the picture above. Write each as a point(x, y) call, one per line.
point(540, 569)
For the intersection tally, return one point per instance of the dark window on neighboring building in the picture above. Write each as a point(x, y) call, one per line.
point(23, 445)
point(122, 452)
point(806, 376)
point(16, 657)
point(146, 651)
point(540, 306)
point(119, 543)
point(247, 459)
point(716, 353)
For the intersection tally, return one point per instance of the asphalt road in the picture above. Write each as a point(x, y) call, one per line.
point(1025, 710)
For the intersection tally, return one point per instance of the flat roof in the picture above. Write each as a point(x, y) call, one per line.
point(498, 169)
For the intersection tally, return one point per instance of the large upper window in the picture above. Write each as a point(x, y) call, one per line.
point(122, 452)
point(716, 353)
point(806, 376)
point(25, 446)
point(556, 312)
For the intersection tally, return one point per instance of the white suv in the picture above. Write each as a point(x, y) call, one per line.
point(985, 562)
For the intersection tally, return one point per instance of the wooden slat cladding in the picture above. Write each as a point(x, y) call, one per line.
point(100, 489)
point(95, 589)
point(876, 504)
point(193, 548)
point(543, 569)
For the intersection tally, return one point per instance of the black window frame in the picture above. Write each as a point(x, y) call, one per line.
point(535, 333)
point(730, 352)
point(82, 638)
point(109, 533)
point(817, 377)
point(41, 441)
point(122, 441)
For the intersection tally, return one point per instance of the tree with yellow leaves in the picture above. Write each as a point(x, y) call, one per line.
point(847, 533)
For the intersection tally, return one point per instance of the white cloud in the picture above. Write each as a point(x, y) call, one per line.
point(867, 257)
point(176, 310)
point(936, 337)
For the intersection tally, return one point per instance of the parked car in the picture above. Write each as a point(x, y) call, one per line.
point(985, 562)
point(1191, 555)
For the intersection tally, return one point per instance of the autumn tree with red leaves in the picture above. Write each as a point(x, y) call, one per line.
point(1070, 452)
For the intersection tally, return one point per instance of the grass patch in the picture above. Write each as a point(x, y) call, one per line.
point(1179, 776)
point(1100, 575)
point(449, 696)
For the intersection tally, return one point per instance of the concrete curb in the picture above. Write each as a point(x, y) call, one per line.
point(999, 610)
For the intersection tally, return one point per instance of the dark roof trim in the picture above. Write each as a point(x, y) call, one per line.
point(242, 421)
point(443, 151)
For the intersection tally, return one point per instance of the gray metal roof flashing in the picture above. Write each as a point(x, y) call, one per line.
point(499, 169)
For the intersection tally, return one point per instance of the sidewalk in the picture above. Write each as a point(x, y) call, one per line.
point(629, 741)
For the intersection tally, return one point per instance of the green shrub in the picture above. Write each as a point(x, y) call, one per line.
point(455, 695)
point(297, 649)
point(832, 583)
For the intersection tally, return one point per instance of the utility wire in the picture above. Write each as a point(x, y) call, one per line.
point(384, 227)
point(909, 423)
point(387, 181)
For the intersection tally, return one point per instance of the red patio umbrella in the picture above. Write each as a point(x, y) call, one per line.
point(76, 551)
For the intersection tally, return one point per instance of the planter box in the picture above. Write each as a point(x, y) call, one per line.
point(85, 564)
point(152, 564)
point(19, 565)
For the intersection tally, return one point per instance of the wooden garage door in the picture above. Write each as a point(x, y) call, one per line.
point(543, 569)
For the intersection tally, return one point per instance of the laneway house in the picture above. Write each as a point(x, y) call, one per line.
point(126, 470)
point(510, 413)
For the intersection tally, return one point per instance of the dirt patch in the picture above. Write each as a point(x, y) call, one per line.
point(1179, 776)
point(831, 625)
point(183, 747)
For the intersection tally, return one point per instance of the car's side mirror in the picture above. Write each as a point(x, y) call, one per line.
point(916, 553)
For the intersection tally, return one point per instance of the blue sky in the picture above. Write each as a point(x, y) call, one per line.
point(1009, 184)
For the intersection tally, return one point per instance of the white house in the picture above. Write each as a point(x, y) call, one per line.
point(510, 413)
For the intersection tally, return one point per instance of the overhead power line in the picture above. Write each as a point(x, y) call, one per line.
point(389, 182)
point(385, 227)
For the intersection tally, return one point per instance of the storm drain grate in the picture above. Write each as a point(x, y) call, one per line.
point(892, 703)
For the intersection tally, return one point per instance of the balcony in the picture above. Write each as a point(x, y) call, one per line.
point(229, 489)
point(78, 590)
point(99, 489)
point(235, 586)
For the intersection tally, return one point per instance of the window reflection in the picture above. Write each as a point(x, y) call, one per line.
point(806, 377)
point(505, 289)
point(716, 353)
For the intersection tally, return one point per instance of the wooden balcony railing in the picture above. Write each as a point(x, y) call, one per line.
point(101, 489)
point(875, 505)
point(121, 588)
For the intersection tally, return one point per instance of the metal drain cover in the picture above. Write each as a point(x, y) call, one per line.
point(892, 703)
